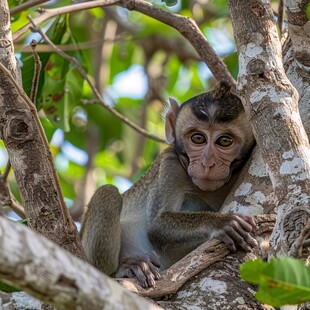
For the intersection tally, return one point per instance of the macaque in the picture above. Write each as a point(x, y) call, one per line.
point(175, 206)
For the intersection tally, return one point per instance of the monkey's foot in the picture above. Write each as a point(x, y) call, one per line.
point(143, 268)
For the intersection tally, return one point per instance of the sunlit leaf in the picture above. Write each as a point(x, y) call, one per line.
point(282, 281)
point(48, 128)
point(55, 33)
point(170, 2)
point(308, 11)
point(62, 91)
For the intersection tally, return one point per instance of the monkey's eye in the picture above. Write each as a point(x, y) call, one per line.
point(198, 138)
point(224, 141)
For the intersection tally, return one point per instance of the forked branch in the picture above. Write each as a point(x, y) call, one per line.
point(186, 26)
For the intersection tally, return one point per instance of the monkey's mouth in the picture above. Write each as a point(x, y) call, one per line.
point(209, 185)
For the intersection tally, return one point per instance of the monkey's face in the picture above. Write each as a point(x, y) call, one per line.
point(212, 148)
point(211, 152)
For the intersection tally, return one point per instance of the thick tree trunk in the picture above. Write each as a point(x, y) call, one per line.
point(271, 104)
point(29, 153)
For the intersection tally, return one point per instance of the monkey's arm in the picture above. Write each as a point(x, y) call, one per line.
point(173, 229)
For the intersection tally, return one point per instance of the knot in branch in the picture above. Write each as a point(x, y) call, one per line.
point(5, 43)
point(256, 67)
point(129, 5)
point(293, 223)
point(19, 126)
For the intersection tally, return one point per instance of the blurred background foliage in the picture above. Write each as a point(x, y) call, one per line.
point(135, 62)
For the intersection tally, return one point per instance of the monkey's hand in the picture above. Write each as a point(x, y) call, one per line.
point(143, 268)
point(234, 230)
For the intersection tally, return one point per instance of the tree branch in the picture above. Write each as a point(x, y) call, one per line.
point(186, 26)
point(298, 25)
point(37, 71)
point(192, 264)
point(26, 5)
point(47, 14)
point(16, 207)
point(44, 270)
point(189, 29)
point(297, 247)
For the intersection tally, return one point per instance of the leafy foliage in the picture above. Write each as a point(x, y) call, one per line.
point(282, 281)
point(8, 288)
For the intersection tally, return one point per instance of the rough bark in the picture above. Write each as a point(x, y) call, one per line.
point(178, 274)
point(190, 268)
point(271, 104)
point(30, 156)
point(298, 25)
point(44, 270)
point(253, 192)
point(214, 288)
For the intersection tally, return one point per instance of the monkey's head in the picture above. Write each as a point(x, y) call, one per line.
point(211, 136)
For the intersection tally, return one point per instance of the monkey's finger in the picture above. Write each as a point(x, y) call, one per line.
point(237, 235)
point(250, 220)
point(144, 276)
point(229, 242)
point(251, 241)
point(150, 271)
point(243, 238)
point(154, 271)
point(243, 223)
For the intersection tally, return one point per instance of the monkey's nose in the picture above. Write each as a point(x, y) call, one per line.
point(208, 163)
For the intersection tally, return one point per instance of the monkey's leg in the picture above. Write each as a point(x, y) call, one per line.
point(101, 231)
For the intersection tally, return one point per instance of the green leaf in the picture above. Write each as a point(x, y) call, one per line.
point(24, 222)
point(55, 33)
point(282, 281)
point(8, 288)
point(49, 129)
point(170, 2)
point(62, 91)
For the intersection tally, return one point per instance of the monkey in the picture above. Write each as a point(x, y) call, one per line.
point(175, 206)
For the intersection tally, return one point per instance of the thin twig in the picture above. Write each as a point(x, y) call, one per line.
point(15, 206)
point(26, 5)
point(6, 171)
point(7, 198)
point(37, 71)
point(93, 88)
point(280, 17)
point(47, 14)
point(45, 48)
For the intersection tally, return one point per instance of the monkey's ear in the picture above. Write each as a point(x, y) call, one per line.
point(170, 120)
